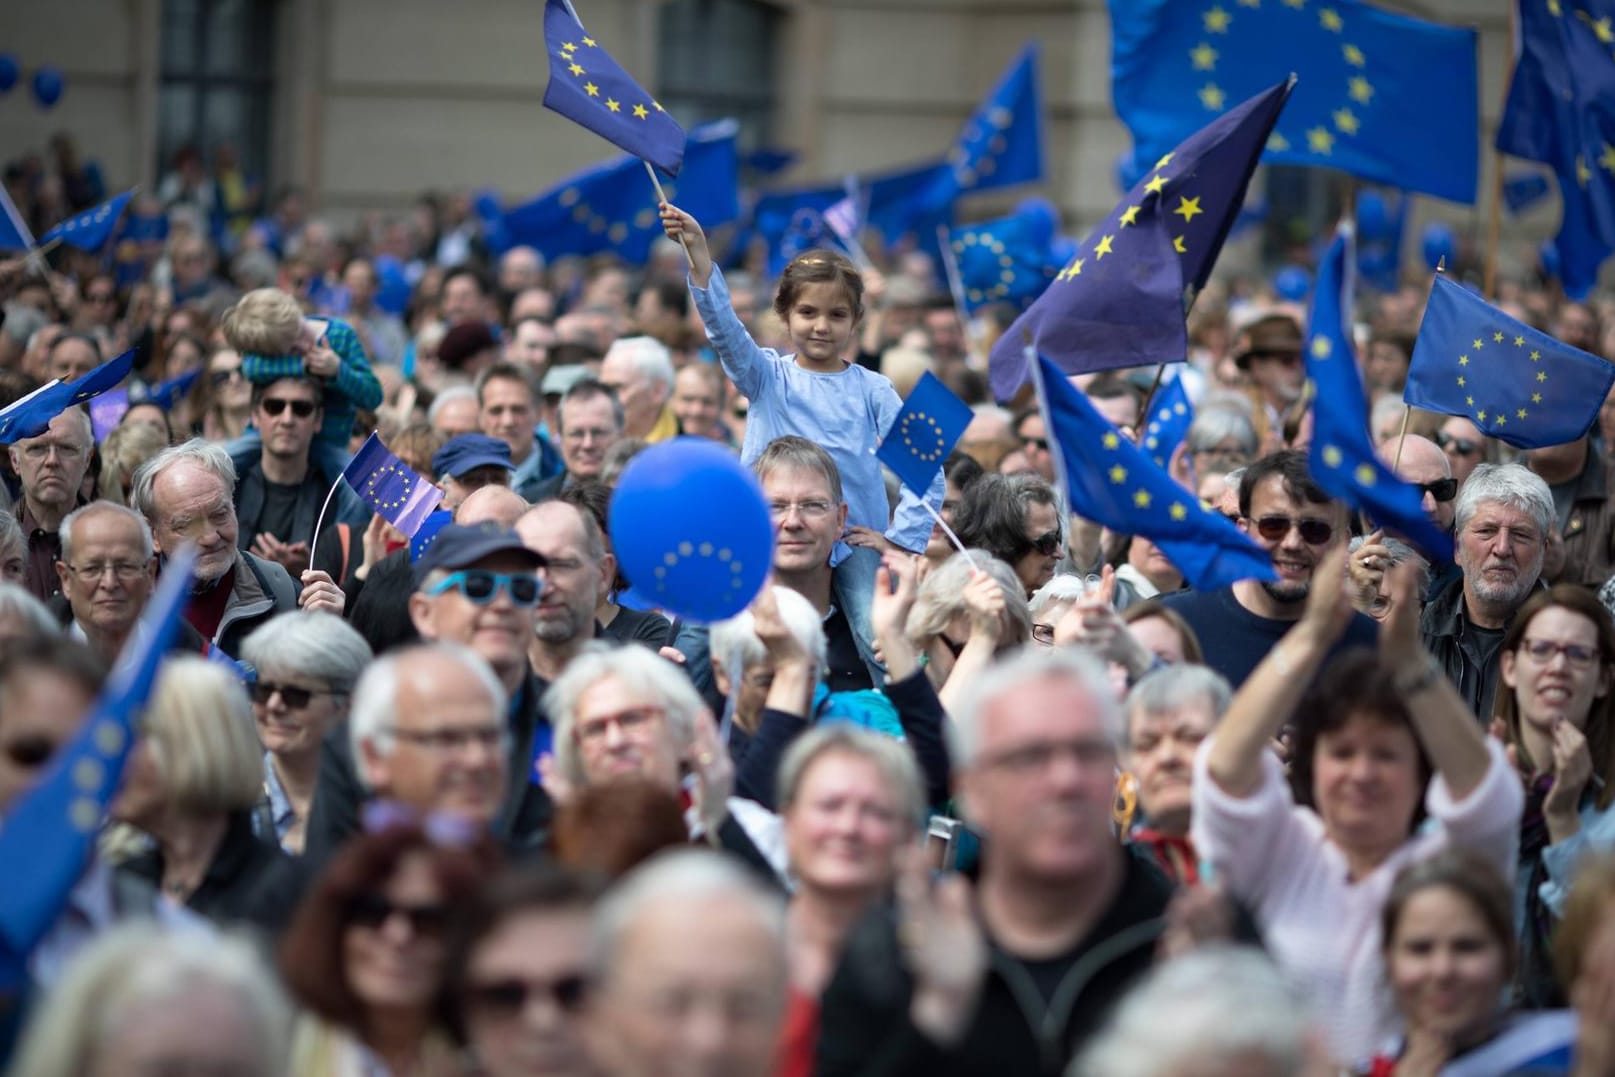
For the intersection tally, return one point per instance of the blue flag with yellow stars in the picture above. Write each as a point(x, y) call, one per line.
point(90, 230)
point(30, 416)
point(590, 88)
point(1120, 301)
point(1007, 260)
point(434, 522)
point(1383, 96)
point(1342, 458)
point(1561, 111)
point(1002, 143)
point(1514, 382)
point(1170, 416)
point(901, 202)
point(924, 433)
point(53, 828)
point(384, 482)
point(1113, 482)
point(610, 208)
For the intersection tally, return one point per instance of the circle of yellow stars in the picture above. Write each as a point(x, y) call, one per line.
point(1604, 29)
point(995, 248)
point(90, 771)
point(1217, 21)
point(1118, 474)
point(928, 455)
point(998, 119)
point(1154, 197)
point(568, 58)
point(704, 551)
point(1152, 441)
point(406, 479)
point(1498, 417)
point(614, 230)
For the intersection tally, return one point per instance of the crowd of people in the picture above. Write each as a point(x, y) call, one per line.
point(1027, 804)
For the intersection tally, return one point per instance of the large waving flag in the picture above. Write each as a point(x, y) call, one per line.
point(90, 230)
point(1514, 382)
point(52, 830)
point(590, 88)
point(1006, 260)
point(1169, 419)
point(1113, 482)
point(384, 482)
point(30, 416)
point(900, 202)
point(1002, 143)
point(1383, 96)
point(1342, 458)
point(924, 433)
point(1121, 300)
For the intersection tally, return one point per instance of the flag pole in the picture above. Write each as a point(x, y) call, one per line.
point(1407, 413)
point(957, 288)
point(948, 531)
point(661, 199)
point(319, 521)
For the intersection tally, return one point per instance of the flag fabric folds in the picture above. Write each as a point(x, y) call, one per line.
point(1366, 103)
point(588, 87)
point(925, 431)
point(435, 521)
point(1170, 416)
point(1111, 481)
point(1561, 111)
point(1002, 143)
point(1120, 302)
point(1007, 260)
point(90, 230)
point(391, 487)
point(1514, 382)
point(30, 416)
point(1342, 458)
point(53, 828)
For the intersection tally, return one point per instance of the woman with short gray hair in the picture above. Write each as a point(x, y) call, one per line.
point(968, 610)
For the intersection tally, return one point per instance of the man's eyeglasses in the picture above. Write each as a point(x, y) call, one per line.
point(294, 697)
point(1543, 650)
point(1461, 446)
point(375, 910)
point(1313, 532)
point(123, 571)
point(452, 738)
point(1048, 544)
point(1443, 490)
point(627, 721)
point(1043, 633)
point(39, 450)
point(481, 586)
point(505, 999)
point(1040, 444)
point(274, 405)
point(815, 509)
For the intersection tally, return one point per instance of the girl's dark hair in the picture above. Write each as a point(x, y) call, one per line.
point(1469, 875)
point(1355, 684)
point(962, 471)
point(820, 266)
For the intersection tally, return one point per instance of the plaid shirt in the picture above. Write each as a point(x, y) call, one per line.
point(354, 386)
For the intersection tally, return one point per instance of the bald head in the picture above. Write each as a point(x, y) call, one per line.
point(500, 504)
point(1423, 463)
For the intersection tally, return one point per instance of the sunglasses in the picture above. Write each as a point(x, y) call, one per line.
point(1048, 544)
point(273, 406)
point(1313, 532)
point(480, 586)
point(220, 377)
point(374, 910)
point(1442, 490)
point(1040, 444)
point(294, 697)
point(1461, 446)
point(30, 752)
point(507, 998)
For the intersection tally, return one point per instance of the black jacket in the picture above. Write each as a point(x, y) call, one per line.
point(1447, 634)
point(249, 881)
point(865, 1029)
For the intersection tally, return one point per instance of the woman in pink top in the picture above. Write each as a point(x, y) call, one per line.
point(1316, 864)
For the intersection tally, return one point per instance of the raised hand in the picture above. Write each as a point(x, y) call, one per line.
point(320, 592)
point(943, 947)
point(687, 230)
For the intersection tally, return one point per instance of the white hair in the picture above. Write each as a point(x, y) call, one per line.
point(1514, 485)
point(374, 711)
point(1062, 587)
point(648, 356)
point(208, 455)
point(311, 643)
point(65, 532)
point(639, 669)
point(17, 602)
point(940, 597)
point(448, 396)
point(735, 640)
point(1029, 664)
point(1174, 687)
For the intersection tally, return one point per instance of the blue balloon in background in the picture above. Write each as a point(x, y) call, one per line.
point(1042, 216)
point(48, 86)
point(1373, 217)
point(392, 284)
point(691, 529)
point(1439, 242)
point(10, 71)
point(1549, 253)
point(1292, 282)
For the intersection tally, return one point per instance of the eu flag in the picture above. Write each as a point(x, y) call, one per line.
point(165, 394)
point(1007, 260)
point(1120, 301)
point(590, 88)
point(609, 208)
point(53, 828)
point(391, 487)
point(435, 521)
point(1170, 416)
point(1514, 382)
point(924, 433)
point(1113, 482)
point(1383, 96)
point(1342, 458)
point(30, 416)
point(1002, 142)
point(910, 200)
point(90, 230)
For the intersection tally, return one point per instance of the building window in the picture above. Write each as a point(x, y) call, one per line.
point(216, 81)
point(716, 59)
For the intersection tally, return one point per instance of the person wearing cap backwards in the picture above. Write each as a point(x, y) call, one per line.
point(475, 585)
point(469, 462)
point(1269, 351)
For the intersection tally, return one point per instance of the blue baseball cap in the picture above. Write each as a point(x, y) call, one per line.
point(463, 545)
point(467, 452)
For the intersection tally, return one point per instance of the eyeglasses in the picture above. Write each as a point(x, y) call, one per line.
point(481, 586)
point(1043, 633)
point(374, 910)
point(100, 297)
point(579, 435)
point(1461, 446)
point(1543, 650)
point(1313, 532)
point(222, 377)
point(294, 697)
point(1036, 757)
point(453, 738)
point(504, 999)
point(627, 721)
point(1221, 452)
point(29, 752)
point(39, 450)
point(273, 406)
point(1048, 544)
point(124, 571)
point(815, 509)
point(1442, 490)
point(1286, 357)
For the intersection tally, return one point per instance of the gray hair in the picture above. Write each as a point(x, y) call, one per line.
point(648, 356)
point(1217, 423)
point(1401, 553)
point(375, 697)
point(312, 643)
point(941, 597)
point(131, 968)
point(1385, 409)
point(1063, 587)
point(893, 758)
point(1514, 485)
point(1172, 688)
point(1073, 664)
point(207, 455)
point(449, 396)
point(638, 668)
point(1227, 1004)
point(17, 602)
point(65, 531)
point(11, 536)
point(735, 639)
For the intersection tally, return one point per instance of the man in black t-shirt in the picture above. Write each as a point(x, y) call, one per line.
point(278, 496)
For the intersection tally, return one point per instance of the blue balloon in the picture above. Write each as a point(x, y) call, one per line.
point(1043, 216)
point(10, 70)
point(1549, 253)
point(1439, 242)
point(392, 284)
point(1373, 218)
point(48, 86)
point(691, 529)
point(1292, 282)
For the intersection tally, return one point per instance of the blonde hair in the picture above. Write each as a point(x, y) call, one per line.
point(266, 321)
point(122, 453)
point(200, 733)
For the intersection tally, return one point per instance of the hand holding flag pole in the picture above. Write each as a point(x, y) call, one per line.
point(920, 439)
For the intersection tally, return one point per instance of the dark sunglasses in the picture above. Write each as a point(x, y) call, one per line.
point(219, 377)
point(1041, 444)
point(507, 998)
point(1048, 544)
point(273, 406)
point(481, 585)
point(30, 752)
point(1442, 490)
point(294, 697)
point(374, 910)
point(1461, 446)
point(1313, 532)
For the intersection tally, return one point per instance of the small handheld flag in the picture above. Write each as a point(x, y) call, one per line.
point(391, 487)
point(924, 433)
point(31, 416)
point(90, 230)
